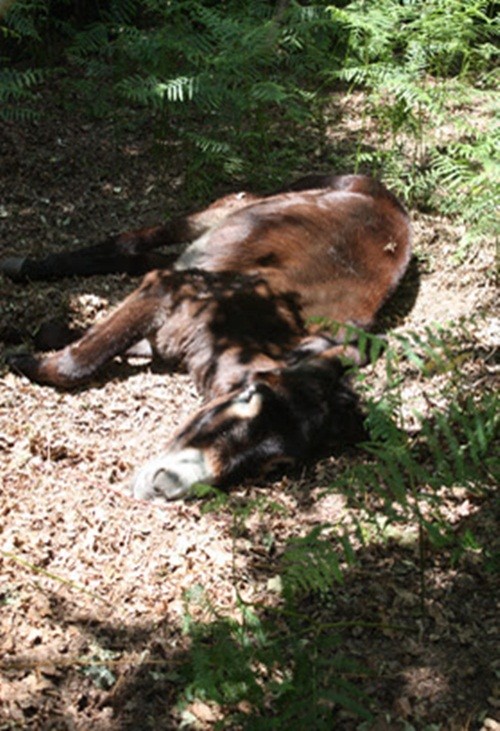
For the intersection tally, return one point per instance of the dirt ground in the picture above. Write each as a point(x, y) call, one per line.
point(93, 584)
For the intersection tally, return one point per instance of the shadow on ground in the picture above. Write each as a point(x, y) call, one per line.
point(389, 646)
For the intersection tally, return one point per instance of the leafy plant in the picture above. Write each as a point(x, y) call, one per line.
point(227, 81)
point(468, 182)
point(310, 564)
point(267, 673)
point(454, 443)
point(16, 89)
point(233, 85)
point(412, 59)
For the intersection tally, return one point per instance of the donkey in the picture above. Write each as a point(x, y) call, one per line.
point(243, 308)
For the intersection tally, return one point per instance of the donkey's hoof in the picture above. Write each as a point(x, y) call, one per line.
point(12, 267)
point(24, 364)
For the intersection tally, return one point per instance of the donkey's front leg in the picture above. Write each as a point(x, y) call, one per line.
point(133, 320)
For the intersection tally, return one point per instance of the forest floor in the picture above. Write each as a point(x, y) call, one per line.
point(93, 585)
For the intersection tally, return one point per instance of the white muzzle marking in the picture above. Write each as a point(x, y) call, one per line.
point(171, 476)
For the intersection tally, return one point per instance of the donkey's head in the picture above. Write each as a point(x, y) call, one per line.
point(283, 416)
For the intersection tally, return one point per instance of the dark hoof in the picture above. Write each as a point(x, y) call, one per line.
point(12, 267)
point(24, 364)
point(12, 335)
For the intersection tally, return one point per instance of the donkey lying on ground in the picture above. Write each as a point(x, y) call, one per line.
point(236, 309)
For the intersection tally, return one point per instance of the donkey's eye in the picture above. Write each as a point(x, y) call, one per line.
point(245, 396)
point(247, 405)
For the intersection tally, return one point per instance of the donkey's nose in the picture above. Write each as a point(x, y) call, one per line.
point(171, 476)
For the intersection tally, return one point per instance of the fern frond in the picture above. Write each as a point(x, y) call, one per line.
point(310, 564)
point(92, 40)
point(23, 19)
point(155, 92)
point(454, 444)
point(15, 91)
point(121, 11)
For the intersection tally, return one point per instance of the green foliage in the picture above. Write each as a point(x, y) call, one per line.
point(221, 659)
point(243, 90)
point(310, 564)
point(227, 81)
point(416, 63)
point(454, 443)
point(25, 20)
point(440, 38)
point(16, 92)
point(33, 31)
point(234, 83)
point(265, 674)
point(468, 181)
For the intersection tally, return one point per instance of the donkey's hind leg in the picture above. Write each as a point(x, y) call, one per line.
point(132, 252)
point(136, 318)
point(128, 253)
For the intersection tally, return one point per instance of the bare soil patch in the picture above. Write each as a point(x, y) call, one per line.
point(92, 584)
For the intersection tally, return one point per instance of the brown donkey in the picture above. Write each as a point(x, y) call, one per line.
point(235, 308)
